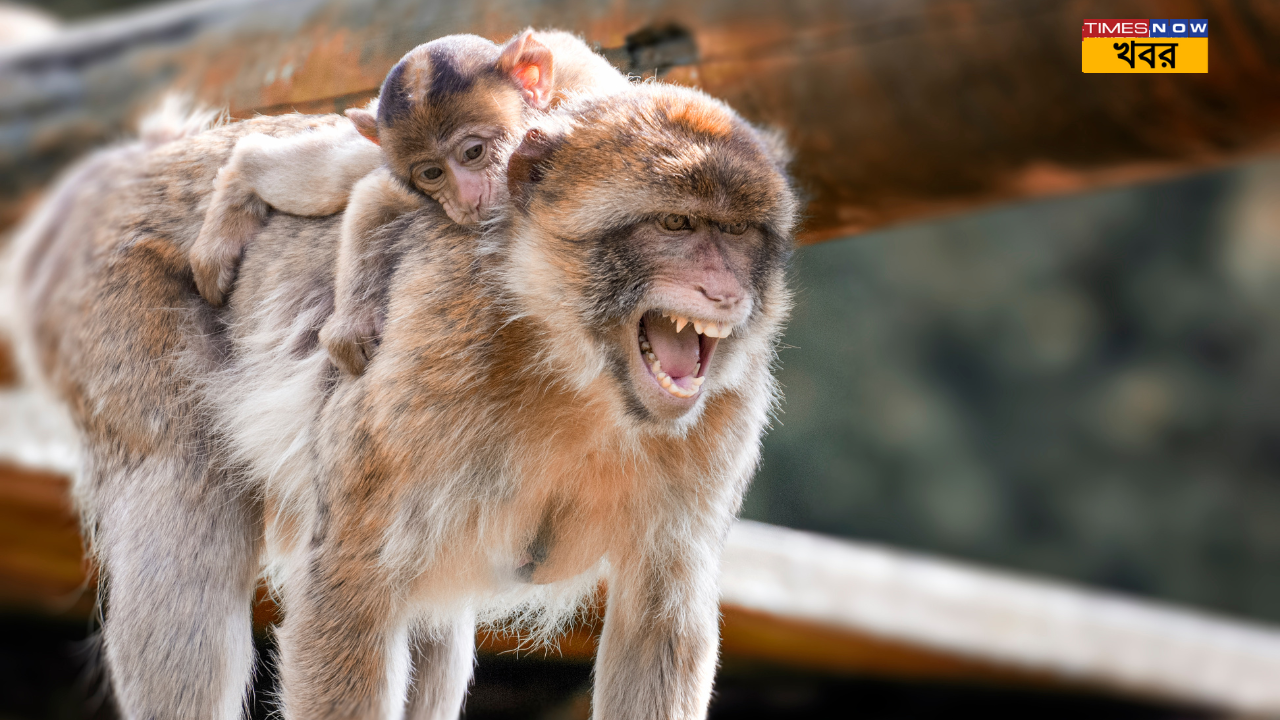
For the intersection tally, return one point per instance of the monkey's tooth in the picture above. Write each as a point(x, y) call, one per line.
point(724, 331)
point(645, 346)
point(649, 354)
point(696, 368)
point(680, 323)
point(666, 382)
point(697, 382)
point(656, 366)
point(697, 326)
point(713, 330)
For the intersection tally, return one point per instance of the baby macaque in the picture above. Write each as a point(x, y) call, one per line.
point(446, 119)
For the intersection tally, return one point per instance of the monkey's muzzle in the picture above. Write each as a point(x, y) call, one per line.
point(678, 350)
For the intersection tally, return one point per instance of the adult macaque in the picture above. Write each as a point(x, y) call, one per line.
point(449, 114)
point(534, 420)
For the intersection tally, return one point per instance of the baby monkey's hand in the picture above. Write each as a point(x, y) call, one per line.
point(351, 338)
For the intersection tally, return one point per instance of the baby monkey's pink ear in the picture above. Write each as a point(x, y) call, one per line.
point(528, 62)
point(366, 121)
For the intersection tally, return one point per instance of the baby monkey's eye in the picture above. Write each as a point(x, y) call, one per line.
point(430, 173)
point(672, 223)
point(473, 152)
point(734, 228)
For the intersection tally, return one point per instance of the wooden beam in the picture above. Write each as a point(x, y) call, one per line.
point(1051, 629)
point(896, 110)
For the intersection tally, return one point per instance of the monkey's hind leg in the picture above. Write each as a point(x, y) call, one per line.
point(236, 213)
point(443, 662)
point(310, 173)
point(177, 546)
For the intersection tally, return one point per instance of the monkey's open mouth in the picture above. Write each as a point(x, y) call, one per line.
point(678, 351)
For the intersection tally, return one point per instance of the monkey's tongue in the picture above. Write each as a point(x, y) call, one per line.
point(678, 352)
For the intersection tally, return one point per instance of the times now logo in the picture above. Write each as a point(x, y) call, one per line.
point(1144, 28)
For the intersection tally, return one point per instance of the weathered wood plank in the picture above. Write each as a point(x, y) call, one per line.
point(1006, 619)
point(896, 110)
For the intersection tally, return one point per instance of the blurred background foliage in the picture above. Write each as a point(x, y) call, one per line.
point(1084, 387)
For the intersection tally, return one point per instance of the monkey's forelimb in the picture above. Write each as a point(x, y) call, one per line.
point(310, 173)
point(344, 643)
point(365, 265)
point(657, 654)
point(344, 655)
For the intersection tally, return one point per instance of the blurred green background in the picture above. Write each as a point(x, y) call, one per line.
point(1084, 387)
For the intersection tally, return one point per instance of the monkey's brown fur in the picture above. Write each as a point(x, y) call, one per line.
point(504, 451)
point(438, 95)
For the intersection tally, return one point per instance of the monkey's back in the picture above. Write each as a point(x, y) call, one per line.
point(108, 309)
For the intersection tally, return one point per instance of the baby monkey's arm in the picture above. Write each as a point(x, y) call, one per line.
point(310, 173)
point(365, 263)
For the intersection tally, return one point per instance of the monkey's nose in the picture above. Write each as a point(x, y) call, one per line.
point(726, 298)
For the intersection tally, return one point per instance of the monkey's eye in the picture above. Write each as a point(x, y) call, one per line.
point(473, 152)
point(734, 228)
point(430, 173)
point(673, 223)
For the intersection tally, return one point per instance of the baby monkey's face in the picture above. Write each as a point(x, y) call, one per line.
point(448, 111)
point(465, 173)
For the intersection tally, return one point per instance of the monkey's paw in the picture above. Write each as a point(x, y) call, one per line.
point(213, 277)
point(350, 342)
point(215, 256)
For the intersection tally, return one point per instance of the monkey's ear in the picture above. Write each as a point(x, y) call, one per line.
point(366, 122)
point(528, 62)
point(776, 147)
point(527, 166)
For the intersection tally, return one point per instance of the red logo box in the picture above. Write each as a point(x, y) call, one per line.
point(1115, 28)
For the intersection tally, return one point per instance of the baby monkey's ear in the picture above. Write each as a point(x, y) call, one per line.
point(528, 62)
point(366, 120)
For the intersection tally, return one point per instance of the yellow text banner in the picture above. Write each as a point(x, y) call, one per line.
point(1144, 55)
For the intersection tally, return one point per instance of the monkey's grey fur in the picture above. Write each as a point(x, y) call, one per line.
point(506, 451)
